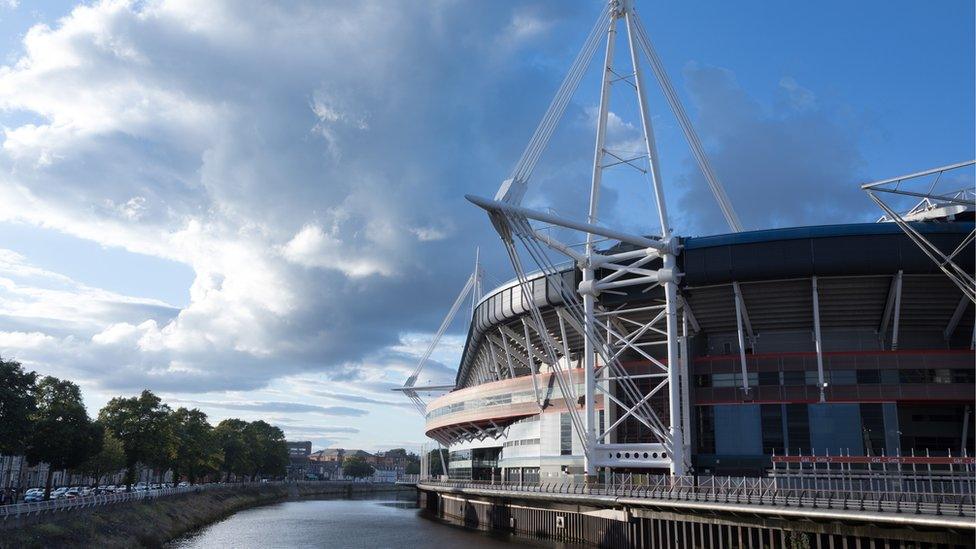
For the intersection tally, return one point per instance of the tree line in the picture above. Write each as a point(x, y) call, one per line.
point(45, 420)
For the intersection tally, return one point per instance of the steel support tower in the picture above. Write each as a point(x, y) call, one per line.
point(604, 340)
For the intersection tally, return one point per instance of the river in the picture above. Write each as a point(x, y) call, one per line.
point(376, 523)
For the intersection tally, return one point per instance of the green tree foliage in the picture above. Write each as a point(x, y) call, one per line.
point(16, 406)
point(109, 460)
point(197, 450)
point(63, 435)
point(143, 425)
point(269, 452)
point(233, 444)
point(436, 462)
point(357, 467)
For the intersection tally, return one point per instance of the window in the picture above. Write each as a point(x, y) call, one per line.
point(916, 376)
point(734, 379)
point(723, 380)
point(565, 435)
point(794, 378)
point(842, 377)
point(872, 427)
point(798, 428)
point(889, 377)
point(964, 376)
point(768, 378)
point(865, 377)
point(772, 428)
point(812, 377)
point(703, 380)
point(942, 375)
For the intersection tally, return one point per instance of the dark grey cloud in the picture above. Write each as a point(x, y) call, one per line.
point(281, 407)
point(346, 397)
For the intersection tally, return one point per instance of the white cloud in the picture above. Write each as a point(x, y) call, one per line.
point(312, 247)
point(298, 165)
point(17, 341)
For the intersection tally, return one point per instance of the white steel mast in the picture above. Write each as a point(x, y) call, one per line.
point(603, 340)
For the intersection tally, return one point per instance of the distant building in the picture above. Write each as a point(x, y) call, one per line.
point(329, 454)
point(300, 449)
point(298, 454)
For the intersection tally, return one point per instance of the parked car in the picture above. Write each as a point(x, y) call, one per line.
point(183, 484)
point(33, 494)
point(59, 492)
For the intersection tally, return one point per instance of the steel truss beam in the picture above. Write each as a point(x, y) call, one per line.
point(944, 205)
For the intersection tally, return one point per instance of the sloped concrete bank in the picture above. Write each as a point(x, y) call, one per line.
point(153, 523)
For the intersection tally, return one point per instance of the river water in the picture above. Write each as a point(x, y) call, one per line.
point(384, 522)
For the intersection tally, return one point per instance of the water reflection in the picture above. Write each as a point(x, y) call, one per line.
point(388, 521)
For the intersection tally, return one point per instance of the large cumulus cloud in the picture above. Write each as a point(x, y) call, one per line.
point(306, 160)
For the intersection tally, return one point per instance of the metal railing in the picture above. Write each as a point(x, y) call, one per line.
point(747, 491)
point(16, 510)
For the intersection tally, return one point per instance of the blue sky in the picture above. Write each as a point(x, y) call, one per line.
point(258, 209)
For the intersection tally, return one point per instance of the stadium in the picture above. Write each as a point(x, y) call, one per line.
point(848, 340)
point(716, 355)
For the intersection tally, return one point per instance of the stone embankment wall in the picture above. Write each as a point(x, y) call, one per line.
point(153, 523)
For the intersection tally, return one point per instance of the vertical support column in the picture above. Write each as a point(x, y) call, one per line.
point(742, 341)
point(965, 431)
point(589, 324)
point(817, 340)
point(669, 263)
point(685, 376)
point(894, 327)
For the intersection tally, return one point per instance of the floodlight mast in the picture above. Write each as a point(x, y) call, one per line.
point(600, 357)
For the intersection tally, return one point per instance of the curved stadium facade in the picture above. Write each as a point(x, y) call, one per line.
point(894, 372)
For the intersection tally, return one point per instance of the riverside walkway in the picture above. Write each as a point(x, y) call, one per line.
point(734, 512)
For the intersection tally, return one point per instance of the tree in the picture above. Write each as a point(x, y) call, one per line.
point(110, 459)
point(63, 435)
point(435, 462)
point(197, 450)
point(413, 468)
point(269, 452)
point(16, 406)
point(357, 467)
point(231, 440)
point(142, 424)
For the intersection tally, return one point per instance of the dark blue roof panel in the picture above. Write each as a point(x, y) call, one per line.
point(823, 231)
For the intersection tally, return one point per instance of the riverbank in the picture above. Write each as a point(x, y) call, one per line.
point(153, 523)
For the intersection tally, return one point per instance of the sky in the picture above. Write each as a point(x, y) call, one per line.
point(256, 208)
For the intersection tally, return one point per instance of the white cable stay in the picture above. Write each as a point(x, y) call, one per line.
point(473, 287)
